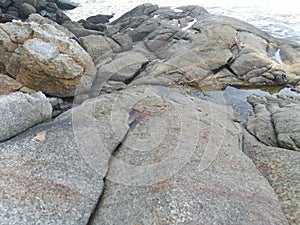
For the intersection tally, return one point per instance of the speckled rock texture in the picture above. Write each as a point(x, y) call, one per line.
point(182, 163)
point(42, 55)
point(273, 144)
point(47, 176)
point(19, 112)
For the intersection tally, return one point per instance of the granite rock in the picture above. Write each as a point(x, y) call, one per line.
point(20, 112)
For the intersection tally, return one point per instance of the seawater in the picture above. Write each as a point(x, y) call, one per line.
point(279, 18)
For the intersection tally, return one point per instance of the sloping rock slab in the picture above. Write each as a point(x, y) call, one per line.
point(46, 174)
point(281, 167)
point(182, 163)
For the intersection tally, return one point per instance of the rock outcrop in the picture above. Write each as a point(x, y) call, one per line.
point(191, 46)
point(275, 121)
point(273, 144)
point(43, 56)
point(143, 149)
point(22, 111)
point(165, 158)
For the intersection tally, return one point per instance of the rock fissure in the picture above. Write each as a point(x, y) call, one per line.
point(137, 73)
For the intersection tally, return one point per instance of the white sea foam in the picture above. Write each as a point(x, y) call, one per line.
point(190, 24)
point(277, 57)
point(176, 9)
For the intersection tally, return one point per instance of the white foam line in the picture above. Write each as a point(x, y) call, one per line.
point(190, 24)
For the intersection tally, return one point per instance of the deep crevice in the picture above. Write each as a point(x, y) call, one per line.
point(101, 197)
point(226, 66)
point(98, 204)
point(140, 70)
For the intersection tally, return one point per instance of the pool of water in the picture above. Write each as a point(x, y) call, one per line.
point(237, 98)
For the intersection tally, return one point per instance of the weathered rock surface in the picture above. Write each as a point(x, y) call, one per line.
point(96, 45)
point(79, 30)
point(275, 121)
point(182, 163)
point(281, 167)
point(21, 111)
point(151, 154)
point(47, 173)
point(8, 85)
point(42, 55)
point(191, 46)
point(274, 147)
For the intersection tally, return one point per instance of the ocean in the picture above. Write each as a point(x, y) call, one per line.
point(279, 18)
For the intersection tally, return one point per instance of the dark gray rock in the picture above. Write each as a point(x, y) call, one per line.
point(13, 14)
point(65, 4)
point(141, 10)
point(92, 26)
point(51, 7)
point(59, 17)
point(33, 3)
point(5, 3)
point(4, 17)
point(99, 19)
point(20, 112)
point(25, 10)
point(78, 29)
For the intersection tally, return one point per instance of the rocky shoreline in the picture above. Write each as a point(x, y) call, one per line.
point(99, 123)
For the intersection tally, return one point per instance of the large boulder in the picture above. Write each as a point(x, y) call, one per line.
point(43, 56)
point(5, 3)
point(25, 10)
point(141, 155)
point(21, 111)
